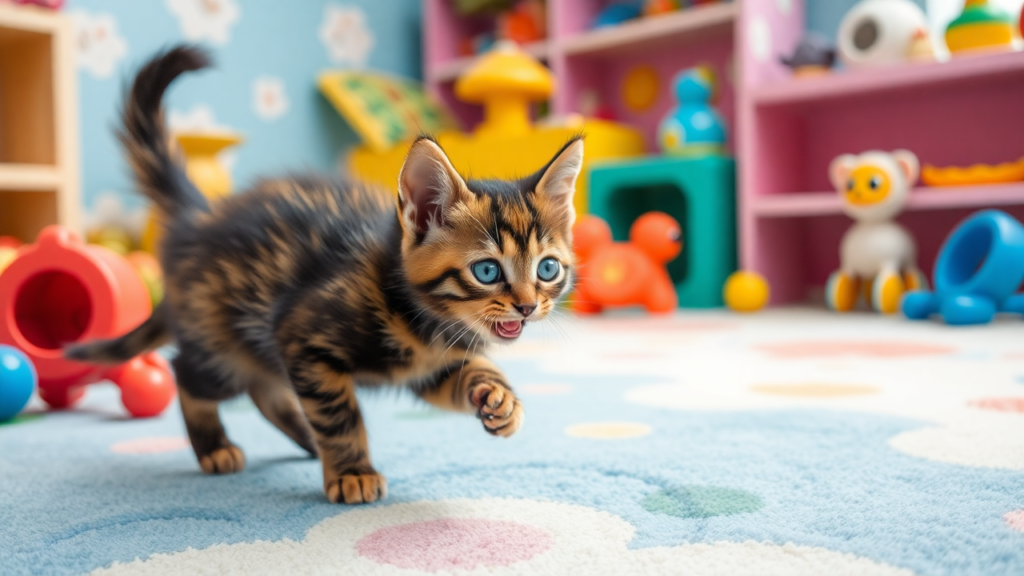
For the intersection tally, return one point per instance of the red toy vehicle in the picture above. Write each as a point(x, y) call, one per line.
point(626, 273)
point(60, 290)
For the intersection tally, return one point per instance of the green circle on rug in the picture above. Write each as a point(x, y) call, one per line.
point(701, 501)
point(20, 419)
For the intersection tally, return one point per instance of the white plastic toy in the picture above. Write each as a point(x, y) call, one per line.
point(878, 32)
point(877, 254)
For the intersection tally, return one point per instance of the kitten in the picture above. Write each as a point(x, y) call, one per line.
point(302, 289)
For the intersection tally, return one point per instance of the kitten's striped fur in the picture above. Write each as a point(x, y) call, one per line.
point(302, 288)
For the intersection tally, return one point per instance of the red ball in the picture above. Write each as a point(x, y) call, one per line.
point(147, 385)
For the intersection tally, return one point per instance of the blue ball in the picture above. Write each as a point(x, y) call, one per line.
point(17, 381)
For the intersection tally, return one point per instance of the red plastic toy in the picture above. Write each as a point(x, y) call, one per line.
point(626, 273)
point(60, 290)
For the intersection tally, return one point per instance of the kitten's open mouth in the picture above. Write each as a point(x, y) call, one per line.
point(509, 329)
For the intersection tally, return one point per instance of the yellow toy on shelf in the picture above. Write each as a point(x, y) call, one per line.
point(203, 168)
point(506, 144)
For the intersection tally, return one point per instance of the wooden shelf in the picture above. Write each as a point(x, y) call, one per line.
point(804, 204)
point(879, 81)
point(39, 145)
point(452, 69)
point(646, 32)
point(29, 177)
point(29, 19)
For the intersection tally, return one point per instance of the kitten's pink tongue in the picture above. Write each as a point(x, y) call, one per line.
point(510, 329)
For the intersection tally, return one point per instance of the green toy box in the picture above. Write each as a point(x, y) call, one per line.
point(698, 192)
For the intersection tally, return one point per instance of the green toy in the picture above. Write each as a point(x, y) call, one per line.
point(700, 193)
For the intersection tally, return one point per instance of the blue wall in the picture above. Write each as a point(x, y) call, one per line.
point(823, 16)
point(268, 38)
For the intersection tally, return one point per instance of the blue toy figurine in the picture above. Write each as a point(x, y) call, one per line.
point(17, 381)
point(693, 128)
point(980, 266)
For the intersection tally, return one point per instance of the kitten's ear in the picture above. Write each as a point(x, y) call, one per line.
point(427, 186)
point(558, 184)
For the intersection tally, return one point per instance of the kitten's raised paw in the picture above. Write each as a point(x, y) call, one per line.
point(357, 488)
point(497, 407)
point(226, 460)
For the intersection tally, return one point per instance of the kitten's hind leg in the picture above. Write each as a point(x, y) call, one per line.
point(278, 403)
point(216, 454)
point(200, 391)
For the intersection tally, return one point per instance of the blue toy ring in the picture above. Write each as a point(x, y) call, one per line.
point(983, 256)
point(980, 266)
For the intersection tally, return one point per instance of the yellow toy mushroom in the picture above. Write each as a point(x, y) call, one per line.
point(505, 81)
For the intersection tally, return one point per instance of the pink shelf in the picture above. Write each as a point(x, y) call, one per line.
point(643, 33)
point(826, 203)
point(850, 84)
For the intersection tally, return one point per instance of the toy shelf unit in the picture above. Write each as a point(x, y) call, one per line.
point(39, 165)
point(954, 113)
point(627, 68)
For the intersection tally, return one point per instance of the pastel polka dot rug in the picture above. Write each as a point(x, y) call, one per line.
point(786, 442)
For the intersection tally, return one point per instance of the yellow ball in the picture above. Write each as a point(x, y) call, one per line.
point(746, 291)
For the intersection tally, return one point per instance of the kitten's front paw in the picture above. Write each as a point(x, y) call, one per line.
point(356, 488)
point(497, 407)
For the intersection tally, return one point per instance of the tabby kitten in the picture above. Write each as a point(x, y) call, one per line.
point(302, 289)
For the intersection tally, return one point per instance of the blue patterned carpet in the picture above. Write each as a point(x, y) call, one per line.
point(789, 442)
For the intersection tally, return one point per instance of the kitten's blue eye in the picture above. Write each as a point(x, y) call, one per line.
point(486, 271)
point(548, 269)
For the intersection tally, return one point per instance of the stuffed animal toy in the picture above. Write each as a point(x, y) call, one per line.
point(877, 255)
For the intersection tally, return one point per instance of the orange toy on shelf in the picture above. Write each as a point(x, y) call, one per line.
point(626, 273)
point(61, 290)
point(976, 174)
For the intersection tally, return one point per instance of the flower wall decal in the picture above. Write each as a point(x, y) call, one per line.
point(346, 35)
point(205, 20)
point(269, 98)
point(99, 44)
point(110, 210)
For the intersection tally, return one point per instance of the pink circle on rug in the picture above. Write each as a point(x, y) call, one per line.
point(156, 445)
point(1015, 520)
point(999, 404)
point(454, 543)
point(545, 389)
point(791, 350)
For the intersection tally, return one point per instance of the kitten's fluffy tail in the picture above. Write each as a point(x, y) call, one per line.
point(145, 139)
point(150, 335)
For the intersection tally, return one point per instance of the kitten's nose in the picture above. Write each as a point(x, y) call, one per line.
point(525, 309)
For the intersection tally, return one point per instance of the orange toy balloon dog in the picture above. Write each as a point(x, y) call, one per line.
point(626, 273)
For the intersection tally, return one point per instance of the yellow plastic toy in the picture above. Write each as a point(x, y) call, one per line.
point(980, 26)
point(506, 144)
point(746, 291)
point(976, 174)
point(203, 168)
